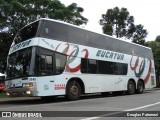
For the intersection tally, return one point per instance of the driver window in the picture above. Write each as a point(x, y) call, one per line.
point(46, 65)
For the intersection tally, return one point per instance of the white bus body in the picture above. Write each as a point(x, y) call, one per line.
point(60, 65)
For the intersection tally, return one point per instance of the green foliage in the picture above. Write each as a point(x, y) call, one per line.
point(139, 35)
point(118, 22)
point(15, 14)
point(157, 38)
point(2, 95)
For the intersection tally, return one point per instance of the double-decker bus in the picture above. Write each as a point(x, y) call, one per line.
point(53, 58)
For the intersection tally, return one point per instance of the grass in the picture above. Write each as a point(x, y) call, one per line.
point(2, 95)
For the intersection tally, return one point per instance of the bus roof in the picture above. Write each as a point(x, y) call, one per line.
point(127, 41)
point(69, 24)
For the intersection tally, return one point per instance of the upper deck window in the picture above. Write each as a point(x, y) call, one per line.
point(26, 33)
point(54, 30)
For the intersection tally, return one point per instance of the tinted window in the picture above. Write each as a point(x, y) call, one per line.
point(92, 66)
point(44, 62)
point(105, 67)
point(146, 53)
point(120, 69)
point(125, 47)
point(49, 63)
point(84, 65)
point(136, 50)
point(26, 33)
point(109, 43)
point(63, 32)
point(19, 63)
point(77, 36)
point(60, 63)
point(97, 40)
point(149, 55)
point(46, 65)
point(53, 30)
point(115, 45)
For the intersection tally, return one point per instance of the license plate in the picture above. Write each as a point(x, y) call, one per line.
point(15, 93)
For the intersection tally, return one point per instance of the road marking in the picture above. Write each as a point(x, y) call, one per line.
point(145, 106)
point(142, 107)
point(91, 118)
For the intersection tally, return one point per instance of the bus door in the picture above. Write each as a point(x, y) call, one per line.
point(45, 86)
point(45, 65)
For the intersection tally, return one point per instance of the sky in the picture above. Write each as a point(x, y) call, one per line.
point(145, 12)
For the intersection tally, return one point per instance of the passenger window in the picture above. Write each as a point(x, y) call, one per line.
point(120, 69)
point(84, 65)
point(105, 67)
point(92, 66)
point(54, 30)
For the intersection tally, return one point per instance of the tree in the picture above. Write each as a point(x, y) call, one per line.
point(15, 14)
point(118, 22)
point(139, 35)
point(157, 38)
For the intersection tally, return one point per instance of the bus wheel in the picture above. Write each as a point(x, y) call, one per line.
point(140, 87)
point(131, 88)
point(73, 90)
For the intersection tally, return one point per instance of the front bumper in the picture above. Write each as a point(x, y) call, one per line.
point(21, 92)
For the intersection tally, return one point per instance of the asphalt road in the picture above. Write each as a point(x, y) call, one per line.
point(95, 106)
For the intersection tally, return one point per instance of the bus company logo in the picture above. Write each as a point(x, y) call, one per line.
point(21, 45)
point(141, 68)
point(110, 55)
point(72, 56)
point(60, 87)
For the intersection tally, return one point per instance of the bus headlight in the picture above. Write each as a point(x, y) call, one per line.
point(28, 92)
point(7, 94)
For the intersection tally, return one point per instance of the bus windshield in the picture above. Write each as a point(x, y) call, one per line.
point(26, 33)
point(19, 63)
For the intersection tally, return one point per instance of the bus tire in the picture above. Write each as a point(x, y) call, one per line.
point(131, 87)
point(140, 87)
point(73, 90)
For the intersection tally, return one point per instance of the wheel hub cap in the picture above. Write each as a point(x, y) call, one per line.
point(74, 90)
